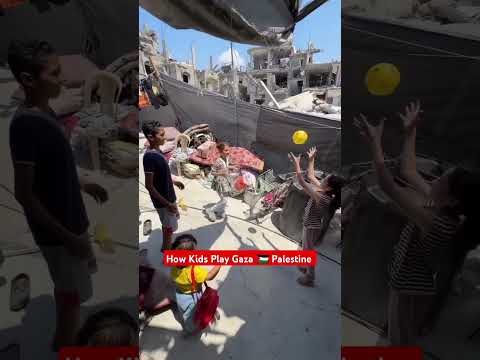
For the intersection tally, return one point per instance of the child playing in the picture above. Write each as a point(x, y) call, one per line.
point(187, 297)
point(159, 181)
point(47, 184)
point(439, 213)
point(324, 196)
point(221, 184)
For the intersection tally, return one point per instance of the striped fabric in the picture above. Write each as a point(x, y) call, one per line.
point(314, 212)
point(410, 271)
point(221, 184)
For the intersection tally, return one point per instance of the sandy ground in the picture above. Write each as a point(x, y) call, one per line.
point(264, 312)
point(115, 284)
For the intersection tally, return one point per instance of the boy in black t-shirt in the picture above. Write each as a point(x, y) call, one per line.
point(159, 183)
point(47, 184)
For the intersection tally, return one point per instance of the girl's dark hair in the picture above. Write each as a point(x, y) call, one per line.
point(464, 185)
point(109, 327)
point(336, 183)
point(221, 146)
point(184, 242)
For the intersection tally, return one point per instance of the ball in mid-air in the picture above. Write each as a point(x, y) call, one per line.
point(382, 79)
point(300, 137)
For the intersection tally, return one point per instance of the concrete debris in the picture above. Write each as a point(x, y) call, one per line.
point(439, 11)
point(312, 102)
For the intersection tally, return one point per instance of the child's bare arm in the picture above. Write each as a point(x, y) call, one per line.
point(309, 189)
point(311, 166)
point(213, 273)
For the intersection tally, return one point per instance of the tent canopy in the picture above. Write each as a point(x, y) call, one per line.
point(99, 30)
point(244, 21)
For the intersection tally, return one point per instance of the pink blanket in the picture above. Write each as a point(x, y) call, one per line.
point(238, 156)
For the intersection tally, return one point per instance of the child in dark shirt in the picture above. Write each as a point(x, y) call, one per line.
point(159, 182)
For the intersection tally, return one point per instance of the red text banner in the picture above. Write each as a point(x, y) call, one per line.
point(382, 353)
point(240, 258)
point(93, 353)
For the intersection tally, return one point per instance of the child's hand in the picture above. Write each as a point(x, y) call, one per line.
point(312, 153)
point(411, 117)
point(173, 209)
point(295, 160)
point(373, 134)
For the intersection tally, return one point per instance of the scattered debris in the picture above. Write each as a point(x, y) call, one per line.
point(439, 12)
point(311, 102)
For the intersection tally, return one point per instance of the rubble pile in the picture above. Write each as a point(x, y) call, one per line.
point(309, 102)
point(438, 11)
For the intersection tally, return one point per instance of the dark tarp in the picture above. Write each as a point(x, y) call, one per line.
point(267, 132)
point(290, 220)
point(367, 250)
point(244, 21)
point(447, 86)
point(101, 30)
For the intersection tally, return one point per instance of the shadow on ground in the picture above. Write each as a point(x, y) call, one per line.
point(35, 332)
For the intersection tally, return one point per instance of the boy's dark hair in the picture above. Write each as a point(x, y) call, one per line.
point(221, 146)
point(28, 56)
point(150, 128)
point(109, 328)
point(184, 242)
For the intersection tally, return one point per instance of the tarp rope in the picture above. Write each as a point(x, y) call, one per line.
point(405, 42)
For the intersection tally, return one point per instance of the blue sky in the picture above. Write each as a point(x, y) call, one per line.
point(322, 27)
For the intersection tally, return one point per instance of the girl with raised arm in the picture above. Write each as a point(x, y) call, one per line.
point(322, 195)
point(435, 214)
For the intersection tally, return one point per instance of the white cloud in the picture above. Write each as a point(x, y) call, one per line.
point(226, 59)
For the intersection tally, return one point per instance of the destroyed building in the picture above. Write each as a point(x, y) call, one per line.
point(209, 79)
point(284, 70)
point(287, 72)
point(153, 59)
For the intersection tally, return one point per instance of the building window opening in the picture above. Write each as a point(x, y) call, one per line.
point(318, 80)
point(148, 68)
point(281, 80)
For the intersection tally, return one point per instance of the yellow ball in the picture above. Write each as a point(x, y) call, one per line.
point(382, 79)
point(300, 137)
